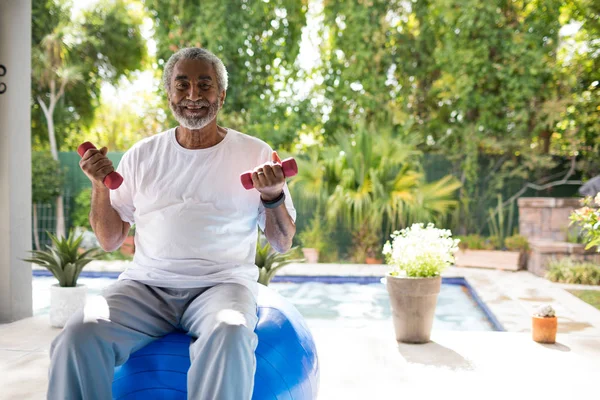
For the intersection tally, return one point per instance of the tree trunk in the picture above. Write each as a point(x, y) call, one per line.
point(36, 236)
point(49, 114)
point(60, 217)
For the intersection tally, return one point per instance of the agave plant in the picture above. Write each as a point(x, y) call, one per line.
point(269, 261)
point(63, 258)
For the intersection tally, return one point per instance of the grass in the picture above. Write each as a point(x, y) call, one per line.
point(589, 296)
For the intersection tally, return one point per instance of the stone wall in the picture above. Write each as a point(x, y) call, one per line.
point(544, 251)
point(545, 218)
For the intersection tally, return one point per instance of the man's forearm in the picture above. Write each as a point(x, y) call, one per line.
point(105, 221)
point(279, 228)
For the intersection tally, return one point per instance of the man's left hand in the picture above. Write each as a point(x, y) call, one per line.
point(268, 179)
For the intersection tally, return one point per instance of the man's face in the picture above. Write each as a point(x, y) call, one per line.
point(194, 97)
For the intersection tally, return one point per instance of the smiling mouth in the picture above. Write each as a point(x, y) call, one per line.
point(195, 109)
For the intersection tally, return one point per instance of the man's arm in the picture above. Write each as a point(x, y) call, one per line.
point(104, 219)
point(279, 228)
point(269, 180)
point(110, 230)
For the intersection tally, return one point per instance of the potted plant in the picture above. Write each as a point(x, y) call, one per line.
point(312, 240)
point(64, 262)
point(479, 252)
point(588, 218)
point(544, 325)
point(417, 256)
point(269, 261)
point(366, 245)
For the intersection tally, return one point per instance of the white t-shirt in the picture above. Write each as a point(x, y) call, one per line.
point(196, 225)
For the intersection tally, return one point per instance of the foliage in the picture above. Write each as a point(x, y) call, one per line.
point(419, 251)
point(259, 43)
point(269, 261)
point(501, 224)
point(490, 84)
point(475, 242)
point(516, 243)
point(567, 270)
point(81, 212)
point(315, 235)
point(102, 45)
point(588, 218)
point(63, 258)
point(47, 178)
point(379, 184)
point(366, 243)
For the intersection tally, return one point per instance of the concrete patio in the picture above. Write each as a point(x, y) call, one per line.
point(361, 363)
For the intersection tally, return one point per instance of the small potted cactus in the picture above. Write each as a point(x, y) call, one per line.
point(544, 325)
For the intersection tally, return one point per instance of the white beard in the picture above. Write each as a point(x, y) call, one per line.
point(190, 122)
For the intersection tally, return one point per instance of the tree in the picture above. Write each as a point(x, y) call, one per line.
point(258, 42)
point(73, 58)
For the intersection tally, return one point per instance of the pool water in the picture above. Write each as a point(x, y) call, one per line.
point(324, 304)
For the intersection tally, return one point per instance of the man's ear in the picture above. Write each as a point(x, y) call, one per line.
point(222, 99)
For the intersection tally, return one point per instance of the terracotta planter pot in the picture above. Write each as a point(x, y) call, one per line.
point(311, 255)
point(413, 302)
point(494, 259)
point(543, 329)
point(373, 260)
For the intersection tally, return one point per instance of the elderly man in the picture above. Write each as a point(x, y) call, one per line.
point(196, 232)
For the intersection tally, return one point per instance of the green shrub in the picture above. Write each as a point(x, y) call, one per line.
point(567, 270)
point(476, 242)
point(81, 211)
point(516, 243)
point(314, 235)
point(47, 178)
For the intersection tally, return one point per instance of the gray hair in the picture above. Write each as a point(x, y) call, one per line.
point(195, 53)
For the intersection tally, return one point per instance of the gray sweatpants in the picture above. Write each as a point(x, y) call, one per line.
point(130, 315)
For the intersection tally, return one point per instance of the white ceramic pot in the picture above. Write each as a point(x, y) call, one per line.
point(64, 301)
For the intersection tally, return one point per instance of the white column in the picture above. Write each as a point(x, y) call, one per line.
point(15, 159)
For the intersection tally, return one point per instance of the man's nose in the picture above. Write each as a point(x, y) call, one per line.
point(193, 93)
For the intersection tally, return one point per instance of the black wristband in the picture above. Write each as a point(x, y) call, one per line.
point(274, 203)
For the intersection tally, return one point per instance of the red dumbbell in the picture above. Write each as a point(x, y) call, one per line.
point(112, 180)
point(289, 166)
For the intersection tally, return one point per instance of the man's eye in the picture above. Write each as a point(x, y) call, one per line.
point(181, 86)
point(205, 87)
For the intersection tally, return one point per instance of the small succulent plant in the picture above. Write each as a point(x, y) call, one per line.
point(545, 312)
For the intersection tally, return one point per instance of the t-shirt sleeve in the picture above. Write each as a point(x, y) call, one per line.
point(121, 199)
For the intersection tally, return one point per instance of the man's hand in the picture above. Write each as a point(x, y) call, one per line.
point(268, 179)
point(96, 165)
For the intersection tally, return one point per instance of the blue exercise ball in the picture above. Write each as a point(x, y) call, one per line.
point(287, 367)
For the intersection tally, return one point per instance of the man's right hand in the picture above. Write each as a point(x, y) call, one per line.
point(96, 166)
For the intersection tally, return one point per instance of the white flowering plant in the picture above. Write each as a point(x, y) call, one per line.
point(588, 218)
point(420, 251)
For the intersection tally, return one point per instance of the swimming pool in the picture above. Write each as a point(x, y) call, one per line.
point(333, 301)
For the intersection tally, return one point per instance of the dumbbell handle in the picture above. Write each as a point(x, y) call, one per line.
point(289, 166)
point(112, 180)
